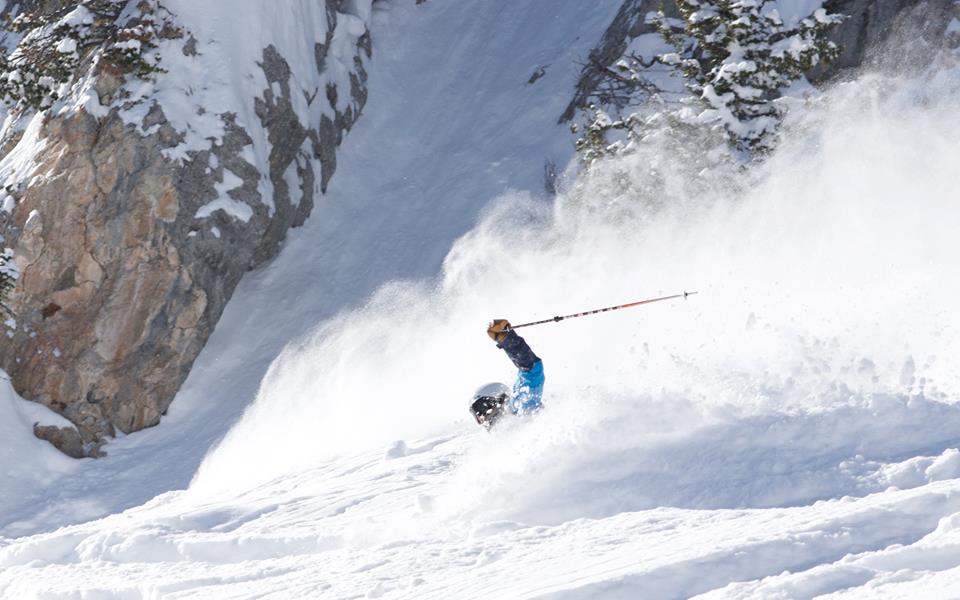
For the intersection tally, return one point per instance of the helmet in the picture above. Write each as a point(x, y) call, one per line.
point(488, 401)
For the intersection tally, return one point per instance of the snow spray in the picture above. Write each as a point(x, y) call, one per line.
point(832, 326)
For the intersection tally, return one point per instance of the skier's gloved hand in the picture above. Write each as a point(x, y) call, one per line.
point(497, 330)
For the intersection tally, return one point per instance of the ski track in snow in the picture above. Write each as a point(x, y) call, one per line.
point(373, 525)
point(790, 433)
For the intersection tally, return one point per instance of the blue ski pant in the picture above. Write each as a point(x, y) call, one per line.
point(528, 390)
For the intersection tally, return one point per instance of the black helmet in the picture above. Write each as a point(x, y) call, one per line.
point(488, 402)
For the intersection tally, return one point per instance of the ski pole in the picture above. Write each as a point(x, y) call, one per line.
point(600, 310)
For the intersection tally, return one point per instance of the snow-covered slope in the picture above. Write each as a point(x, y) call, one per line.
point(372, 226)
point(396, 524)
point(790, 432)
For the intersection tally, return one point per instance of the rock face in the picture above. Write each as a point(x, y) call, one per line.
point(110, 317)
point(124, 273)
point(872, 23)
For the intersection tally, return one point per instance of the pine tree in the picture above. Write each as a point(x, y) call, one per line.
point(737, 56)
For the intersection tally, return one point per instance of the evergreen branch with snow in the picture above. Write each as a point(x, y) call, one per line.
point(594, 143)
point(737, 56)
point(106, 34)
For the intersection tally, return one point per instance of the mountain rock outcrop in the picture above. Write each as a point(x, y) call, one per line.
point(135, 207)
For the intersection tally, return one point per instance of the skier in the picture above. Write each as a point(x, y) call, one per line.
point(491, 400)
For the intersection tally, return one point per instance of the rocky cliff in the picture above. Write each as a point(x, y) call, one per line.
point(134, 205)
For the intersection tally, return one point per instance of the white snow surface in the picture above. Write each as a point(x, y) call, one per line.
point(28, 463)
point(790, 432)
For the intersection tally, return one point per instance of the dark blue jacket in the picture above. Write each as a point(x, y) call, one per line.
point(518, 351)
point(528, 389)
